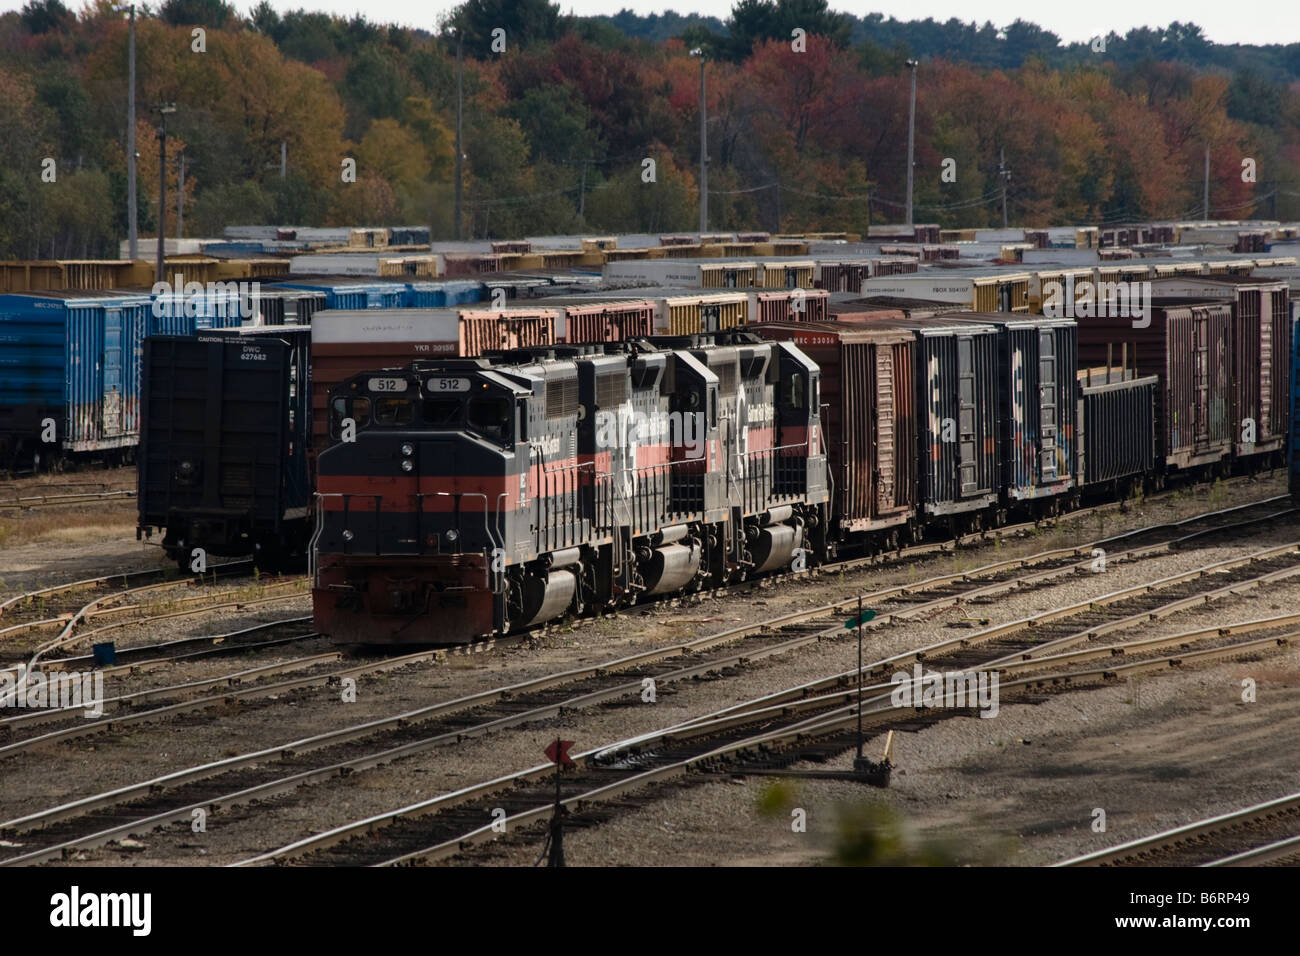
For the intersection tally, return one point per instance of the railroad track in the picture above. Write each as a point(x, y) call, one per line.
point(283, 768)
point(31, 502)
point(630, 772)
point(42, 598)
point(66, 623)
point(1264, 834)
point(136, 660)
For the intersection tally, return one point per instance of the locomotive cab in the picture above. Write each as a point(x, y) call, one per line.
point(426, 465)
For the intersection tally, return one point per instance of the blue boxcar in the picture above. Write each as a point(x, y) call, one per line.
point(440, 295)
point(216, 305)
point(355, 295)
point(70, 368)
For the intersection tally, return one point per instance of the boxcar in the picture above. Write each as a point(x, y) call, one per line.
point(870, 425)
point(438, 295)
point(1187, 345)
point(286, 306)
point(843, 275)
point(1117, 428)
point(584, 319)
point(1037, 410)
point(1261, 347)
point(70, 368)
point(354, 295)
point(800, 305)
point(1294, 449)
point(224, 438)
point(913, 308)
point(956, 376)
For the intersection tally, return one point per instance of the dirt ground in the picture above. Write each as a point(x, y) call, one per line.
point(1020, 788)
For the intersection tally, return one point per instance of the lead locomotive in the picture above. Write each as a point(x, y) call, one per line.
point(464, 498)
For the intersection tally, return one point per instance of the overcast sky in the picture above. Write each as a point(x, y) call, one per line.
point(1242, 21)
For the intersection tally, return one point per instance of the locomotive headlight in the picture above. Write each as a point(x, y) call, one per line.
point(348, 535)
point(453, 535)
point(407, 464)
point(407, 450)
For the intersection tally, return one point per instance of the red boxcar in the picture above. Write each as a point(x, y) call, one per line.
point(869, 416)
point(1188, 346)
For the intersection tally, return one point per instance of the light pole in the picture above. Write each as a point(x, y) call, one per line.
point(180, 195)
point(911, 141)
point(460, 95)
point(163, 111)
point(704, 147)
point(1205, 209)
point(1004, 173)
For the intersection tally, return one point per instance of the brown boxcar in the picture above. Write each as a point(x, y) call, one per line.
point(870, 421)
point(1188, 346)
point(894, 266)
point(1261, 350)
point(607, 321)
point(468, 264)
point(848, 312)
point(801, 305)
point(347, 342)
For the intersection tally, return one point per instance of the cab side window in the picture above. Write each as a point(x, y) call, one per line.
point(492, 417)
point(797, 390)
point(343, 407)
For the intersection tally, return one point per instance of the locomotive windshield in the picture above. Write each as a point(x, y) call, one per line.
point(443, 412)
point(394, 411)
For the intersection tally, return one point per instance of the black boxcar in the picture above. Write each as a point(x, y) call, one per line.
point(223, 448)
point(956, 375)
point(1037, 412)
point(1117, 426)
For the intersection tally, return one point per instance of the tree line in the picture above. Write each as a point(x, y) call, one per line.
point(592, 124)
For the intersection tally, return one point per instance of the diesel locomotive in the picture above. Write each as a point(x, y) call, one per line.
point(463, 498)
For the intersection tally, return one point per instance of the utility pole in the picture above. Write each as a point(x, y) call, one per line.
point(180, 196)
point(163, 111)
point(911, 141)
point(460, 98)
point(133, 235)
point(1205, 210)
point(582, 192)
point(284, 157)
point(1004, 173)
point(704, 146)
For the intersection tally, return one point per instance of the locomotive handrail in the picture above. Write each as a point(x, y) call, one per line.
point(487, 570)
point(312, 566)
